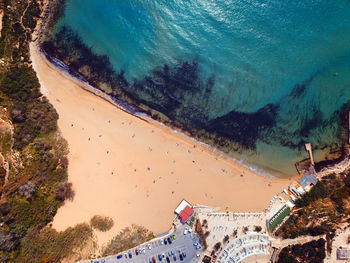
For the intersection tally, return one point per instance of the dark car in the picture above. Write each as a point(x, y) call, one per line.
point(174, 258)
point(165, 242)
point(119, 256)
point(153, 260)
point(130, 255)
point(169, 240)
point(184, 254)
point(136, 251)
point(160, 257)
point(181, 257)
point(167, 259)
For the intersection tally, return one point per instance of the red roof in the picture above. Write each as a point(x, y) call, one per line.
point(186, 213)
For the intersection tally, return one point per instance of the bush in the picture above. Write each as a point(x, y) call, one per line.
point(128, 238)
point(53, 246)
point(7, 242)
point(102, 223)
point(257, 228)
point(27, 189)
point(64, 191)
point(217, 246)
point(226, 238)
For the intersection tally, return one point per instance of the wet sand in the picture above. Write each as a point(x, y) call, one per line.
point(136, 171)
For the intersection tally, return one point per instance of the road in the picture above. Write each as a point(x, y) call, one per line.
point(183, 242)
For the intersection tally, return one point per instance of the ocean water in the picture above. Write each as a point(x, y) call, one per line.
point(293, 55)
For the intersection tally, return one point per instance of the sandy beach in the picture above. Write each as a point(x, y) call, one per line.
point(135, 171)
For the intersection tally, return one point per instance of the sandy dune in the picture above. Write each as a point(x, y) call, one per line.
point(137, 172)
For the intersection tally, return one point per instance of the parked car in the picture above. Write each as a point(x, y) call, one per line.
point(150, 260)
point(169, 253)
point(199, 247)
point(167, 260)
point(160, 257)
point(162, 242)
point(184, 254)
point(136, 252)
point(169, 240)
point(149, 246)
point(174, 258)
point(153, 260)
point(173, 236)
point(181, 257)
point(125, 255)
point(198, 255)
point(119, 256)
point(130, 255)
point(195, 244)
point(165, 242)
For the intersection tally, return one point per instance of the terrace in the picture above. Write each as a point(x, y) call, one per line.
point(244, 247)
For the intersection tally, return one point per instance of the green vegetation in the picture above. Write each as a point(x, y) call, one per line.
point(322, 210)
point(34, 150)
point(311, 252)
point(102, 223)
point(48, 245)
point(278, 218)
point(318, 191)
point(129, 237)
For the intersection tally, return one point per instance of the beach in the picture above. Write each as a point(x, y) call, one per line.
point(136, 170)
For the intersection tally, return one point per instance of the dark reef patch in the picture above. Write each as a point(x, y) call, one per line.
point(244, 128)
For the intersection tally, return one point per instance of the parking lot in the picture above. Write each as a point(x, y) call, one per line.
point(156, 251)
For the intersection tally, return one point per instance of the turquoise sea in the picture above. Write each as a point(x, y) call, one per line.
point(291, 55)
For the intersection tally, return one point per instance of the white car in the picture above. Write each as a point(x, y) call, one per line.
point(162, 241)
point(198, 255)
point(185, 231)
point(149, 246)
point(190, 230)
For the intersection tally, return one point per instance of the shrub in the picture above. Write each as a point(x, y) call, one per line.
point(7, 242)
point(226, 238)
point(64, 191)
point(217, 246)
point(27, 189)
point(257, 228)
point(53, 246)
point(128, 238)
point(102, 223)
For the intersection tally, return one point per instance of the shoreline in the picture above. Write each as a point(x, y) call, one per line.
point(78, 79)
point(211, 174)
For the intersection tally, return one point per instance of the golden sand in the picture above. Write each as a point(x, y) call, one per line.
point(135, 171)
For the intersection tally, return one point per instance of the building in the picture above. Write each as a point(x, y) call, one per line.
point(308, 181)
point(343, 253)
point(184, 211)
point(296, 189)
